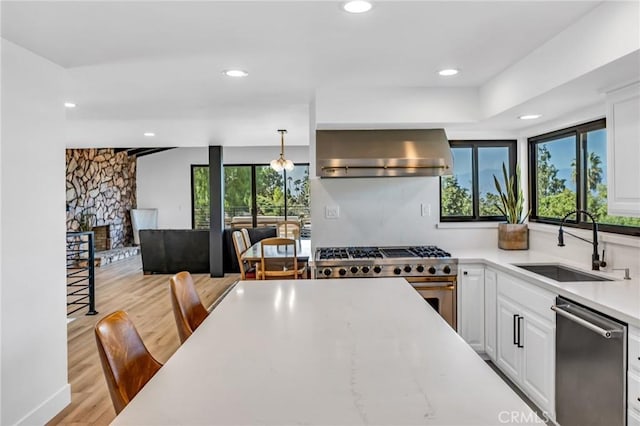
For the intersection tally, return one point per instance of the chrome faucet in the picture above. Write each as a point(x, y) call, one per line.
point(596, 263)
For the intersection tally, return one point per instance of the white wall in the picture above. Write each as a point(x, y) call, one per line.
point(34, 329)
point(164, 179)
point(164, 183)
point(387, 211)
point(405, 107)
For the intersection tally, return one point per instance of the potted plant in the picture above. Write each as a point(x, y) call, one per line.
point(513, 235)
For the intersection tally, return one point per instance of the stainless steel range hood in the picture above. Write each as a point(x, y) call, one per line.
point(377, 153)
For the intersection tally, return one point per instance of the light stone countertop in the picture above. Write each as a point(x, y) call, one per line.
point(619, 298)
point(325, 352)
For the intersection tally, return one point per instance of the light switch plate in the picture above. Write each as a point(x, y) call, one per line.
point(331, 212)
point(425, 209)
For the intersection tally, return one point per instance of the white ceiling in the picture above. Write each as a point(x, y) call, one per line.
point(157, 65)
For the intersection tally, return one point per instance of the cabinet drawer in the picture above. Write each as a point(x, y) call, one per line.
point(633, 389)
point(634, 350)
point(536, 300)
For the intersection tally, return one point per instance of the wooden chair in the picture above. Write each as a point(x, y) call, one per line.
point(187, 307)
point(246, 271)
point(289, 229)
point(245, 235)
point(126, 362)
point(283, 267)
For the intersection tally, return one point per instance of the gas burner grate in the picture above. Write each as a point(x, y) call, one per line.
point(430, 251)
point(333, 253)
point(365, 253)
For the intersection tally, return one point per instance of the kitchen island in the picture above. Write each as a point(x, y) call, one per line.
point(328, 352)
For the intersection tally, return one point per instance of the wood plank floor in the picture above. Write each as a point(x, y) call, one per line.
point(122, 285)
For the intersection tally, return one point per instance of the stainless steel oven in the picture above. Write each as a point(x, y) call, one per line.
point(430, 270)
point(440, 293)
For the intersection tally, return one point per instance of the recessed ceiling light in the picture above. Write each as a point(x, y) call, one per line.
point(529, 116)
point(236, 73)
point(448, 72)
point(69, 105)
point(357, 6)
point(149, 134)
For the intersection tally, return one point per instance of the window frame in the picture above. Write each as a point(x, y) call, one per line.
point(254, 189)
point(579, 131)
point(511, 144)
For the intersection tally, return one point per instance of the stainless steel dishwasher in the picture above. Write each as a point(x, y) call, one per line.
point(591, 367)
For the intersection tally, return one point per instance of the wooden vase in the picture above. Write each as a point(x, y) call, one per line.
point(513, 236)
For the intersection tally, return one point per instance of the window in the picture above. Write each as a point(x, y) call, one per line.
point(253, 194)
point(470, 194)
point(238, 194)
point(200, 197)
point(569, 172)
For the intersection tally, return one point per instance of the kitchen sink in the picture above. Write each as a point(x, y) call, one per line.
point(560, 272)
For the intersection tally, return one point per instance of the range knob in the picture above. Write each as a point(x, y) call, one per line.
point(420, 268)
point(327, 271)
point(342, 272)
point(354, 269)
point(365, 269)
point(407, 269)
point(377, 269)
point(397, 270)
point(446, 269)
point(432, 270)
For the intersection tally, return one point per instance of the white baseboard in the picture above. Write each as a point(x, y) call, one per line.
point(48, 408)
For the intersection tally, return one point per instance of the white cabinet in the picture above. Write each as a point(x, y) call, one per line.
point(471, 306)
point(623, 151)
point(526, 339)
point(490, 301)
point(508, 356)
point(538, 360)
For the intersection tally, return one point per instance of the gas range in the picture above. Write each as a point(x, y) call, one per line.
point(402, 261)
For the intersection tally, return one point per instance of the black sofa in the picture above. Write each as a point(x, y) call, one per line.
point(169, 251)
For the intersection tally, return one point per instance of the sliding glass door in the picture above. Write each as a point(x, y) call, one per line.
point(254, 195)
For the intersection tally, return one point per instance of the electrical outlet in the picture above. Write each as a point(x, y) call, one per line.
point(331, 212)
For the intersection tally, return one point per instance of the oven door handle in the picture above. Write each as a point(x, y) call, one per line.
point(440, 287)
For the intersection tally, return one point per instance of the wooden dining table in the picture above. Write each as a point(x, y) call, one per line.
point(303, 252)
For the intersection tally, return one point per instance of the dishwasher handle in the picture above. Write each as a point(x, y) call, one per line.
point(607, 334)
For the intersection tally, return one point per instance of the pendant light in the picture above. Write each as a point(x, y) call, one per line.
point(281, 163)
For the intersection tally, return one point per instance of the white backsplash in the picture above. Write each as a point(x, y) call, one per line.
point(386, 211)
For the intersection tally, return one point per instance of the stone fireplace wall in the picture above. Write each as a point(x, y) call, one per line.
point(101, 190)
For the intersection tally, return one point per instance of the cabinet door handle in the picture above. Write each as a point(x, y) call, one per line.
point(520, 345)
point(465, 273)
point(515, 322)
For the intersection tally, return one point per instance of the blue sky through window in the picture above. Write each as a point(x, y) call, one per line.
point(462, 166)
point(490, 161)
